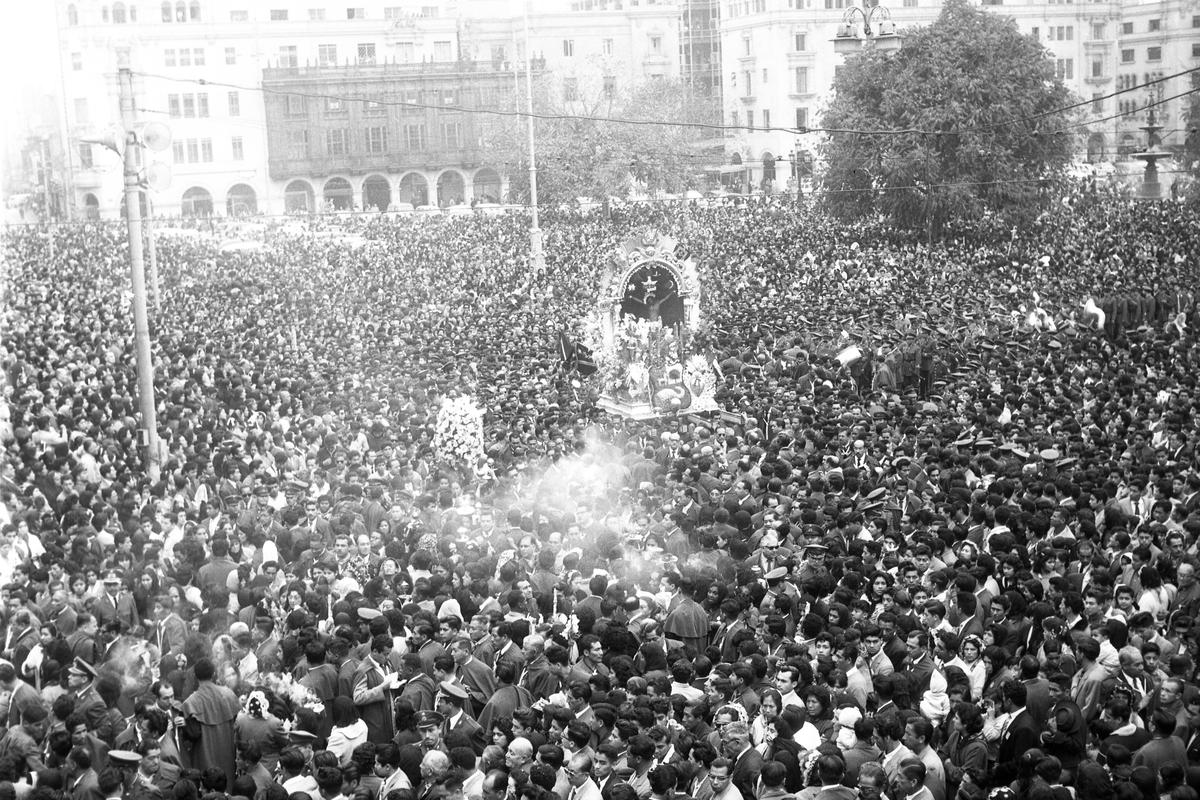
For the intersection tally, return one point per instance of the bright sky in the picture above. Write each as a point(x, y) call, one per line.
point(27, 60)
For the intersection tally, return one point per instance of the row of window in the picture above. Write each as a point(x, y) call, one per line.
point(185, 57)
point(327, 54)
point(570, 87)
point(800, 83)
point(195, 105)
point(735, 118)
point(120, 13)
point(415, 100)
point(1129, 55)
point(374, 139)
point(1127, 82)
point(606, 47)
point(183, 151)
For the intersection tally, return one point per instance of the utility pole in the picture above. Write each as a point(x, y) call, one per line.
point(536, 258)
point(44, 154)
point(141, 322)
point(152, 252)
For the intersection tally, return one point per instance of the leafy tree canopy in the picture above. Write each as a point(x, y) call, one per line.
point(582, 157)
point(975, 102)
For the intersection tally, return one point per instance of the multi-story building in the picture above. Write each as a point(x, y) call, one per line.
point(222, 73)
point(778, 64)
point(406, 141)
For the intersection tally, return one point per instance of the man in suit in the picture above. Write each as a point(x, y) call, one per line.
point(22, 637)
point(170, 629)
point(426, 646)
point(889, 735)
point(416, 686)
point(451, 703)
point(726, 635)
point(878, 664)
point(919, 663)
point(483, 648)
point(747, 762)
point(115, 603)
point(1089, 680)
point(82, 780)
point(1023, 733)
point(374, 683)
point(434, 766)
point(894, 646)
point(579, 776)
point(507, 651)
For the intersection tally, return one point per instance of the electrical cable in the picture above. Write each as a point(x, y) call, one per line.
point(693, 125)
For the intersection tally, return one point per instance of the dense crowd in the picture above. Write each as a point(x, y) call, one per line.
point(960, 565)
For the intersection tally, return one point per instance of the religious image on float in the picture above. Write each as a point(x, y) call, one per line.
point(642, 333)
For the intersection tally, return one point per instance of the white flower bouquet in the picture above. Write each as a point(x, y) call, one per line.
point(458, 434)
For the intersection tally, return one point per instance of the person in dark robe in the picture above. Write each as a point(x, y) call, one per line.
point(209, 715)
point(507, 699)
point(687, 621)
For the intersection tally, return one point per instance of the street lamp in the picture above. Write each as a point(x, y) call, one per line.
point(861, 29)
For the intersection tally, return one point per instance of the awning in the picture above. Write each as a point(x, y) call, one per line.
point(726, 169)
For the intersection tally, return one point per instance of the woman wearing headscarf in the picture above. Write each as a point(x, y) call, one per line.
point(256, 725)
point(935, 702)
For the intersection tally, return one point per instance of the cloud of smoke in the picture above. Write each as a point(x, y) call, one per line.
point(595, 487)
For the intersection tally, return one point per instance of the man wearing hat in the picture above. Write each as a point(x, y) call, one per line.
point(451, 704)
point(430, 726)
point(81, 681)
point(814, 563)
point(115, 603)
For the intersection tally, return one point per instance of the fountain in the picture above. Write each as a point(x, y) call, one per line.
point(1151, 188)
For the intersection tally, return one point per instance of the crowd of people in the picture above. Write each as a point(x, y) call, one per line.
point(959, 565)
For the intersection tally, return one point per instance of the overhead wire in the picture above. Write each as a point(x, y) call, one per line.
point(1024, 119)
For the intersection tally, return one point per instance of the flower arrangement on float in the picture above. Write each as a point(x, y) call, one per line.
point(458, 432)
point(295, 694)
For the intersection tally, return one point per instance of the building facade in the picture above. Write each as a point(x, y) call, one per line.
point(219, 74)
point(405, 143)
point(778, 65)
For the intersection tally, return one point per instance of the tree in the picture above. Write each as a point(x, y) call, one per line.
point(961, 121)
point(580, 154)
